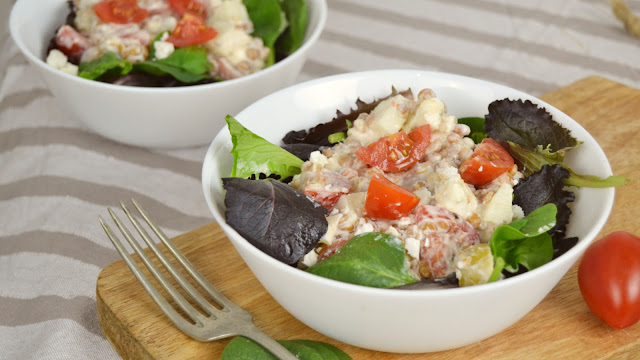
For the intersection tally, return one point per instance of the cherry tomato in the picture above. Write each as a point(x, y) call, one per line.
point(609, 279)
point(120, 11)
point(71, 42)
point(189, 6)
point(397, 152)
point(191, 30)
point(488, 161)
point(386, 200)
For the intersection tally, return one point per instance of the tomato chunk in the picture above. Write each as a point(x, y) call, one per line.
point(120, 11)
point(397, 152)
point(71, 42)
point(328, 199)
point(191, 30)
point(386, 200)
point(194, 7)
point(488, 161)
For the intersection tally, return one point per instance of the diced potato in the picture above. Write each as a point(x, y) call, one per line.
point(474, 265)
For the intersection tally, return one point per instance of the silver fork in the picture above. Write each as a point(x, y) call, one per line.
point(230, 320)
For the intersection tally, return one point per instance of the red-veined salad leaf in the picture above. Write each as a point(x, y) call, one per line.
point(319, 135)
point(523, 242)
point(302, 151)
point(254, 155)
point(274, 217)
point(242, 348)
point(107, 64)
point(369, 259)
point(523, 123)
point(544, 187)
point(530, 161)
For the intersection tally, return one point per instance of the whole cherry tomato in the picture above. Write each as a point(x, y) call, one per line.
point(609, 279)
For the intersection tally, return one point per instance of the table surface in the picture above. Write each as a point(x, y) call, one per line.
point(56, 176)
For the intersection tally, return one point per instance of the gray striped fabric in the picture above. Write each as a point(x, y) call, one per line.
point(56, 177)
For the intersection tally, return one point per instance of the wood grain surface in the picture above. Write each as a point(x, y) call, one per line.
point(560, 327)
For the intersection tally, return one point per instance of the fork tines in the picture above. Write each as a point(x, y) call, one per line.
point(197, 318)
point(218, 323)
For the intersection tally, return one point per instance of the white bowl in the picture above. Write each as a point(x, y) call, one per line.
point(401, 320)
point(150, 117)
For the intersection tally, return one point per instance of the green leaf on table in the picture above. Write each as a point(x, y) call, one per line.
point(242, 348)
point(188, 65)
point(369, 259)
point(107, 64)
point(253, 155)
point(531, 161)
point(296, 14)
point(523, 242)
point(476, 124)
point(269, 22)
point(523, 123)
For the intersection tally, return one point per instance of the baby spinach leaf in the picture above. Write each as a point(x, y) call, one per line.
point(476, 124)
point(107, 64)
point(291, 39)
point(274, 217)
point(523, 242)
point(268, 23)
point(188, 64)
point(530, 161)
point(523, 123)
point(254, 155)
point(242, 348)
point(370, 259)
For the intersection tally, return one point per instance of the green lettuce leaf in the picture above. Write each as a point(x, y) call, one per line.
point(242, 348)
point(296, 14)
point(370, 259)
point(269, 22)
point(531, 161)
point(254, 155)
point(107, 64)
point(523, 242)
point(523, 123)
point(188, 65)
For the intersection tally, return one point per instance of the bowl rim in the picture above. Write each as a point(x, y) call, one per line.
point(310, 39)
point(543, 270)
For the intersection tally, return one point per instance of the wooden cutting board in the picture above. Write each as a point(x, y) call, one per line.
point(560, 327)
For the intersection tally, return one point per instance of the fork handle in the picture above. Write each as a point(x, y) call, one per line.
point(268, 343)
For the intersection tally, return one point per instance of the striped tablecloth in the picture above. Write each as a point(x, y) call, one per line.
point(56, 176)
